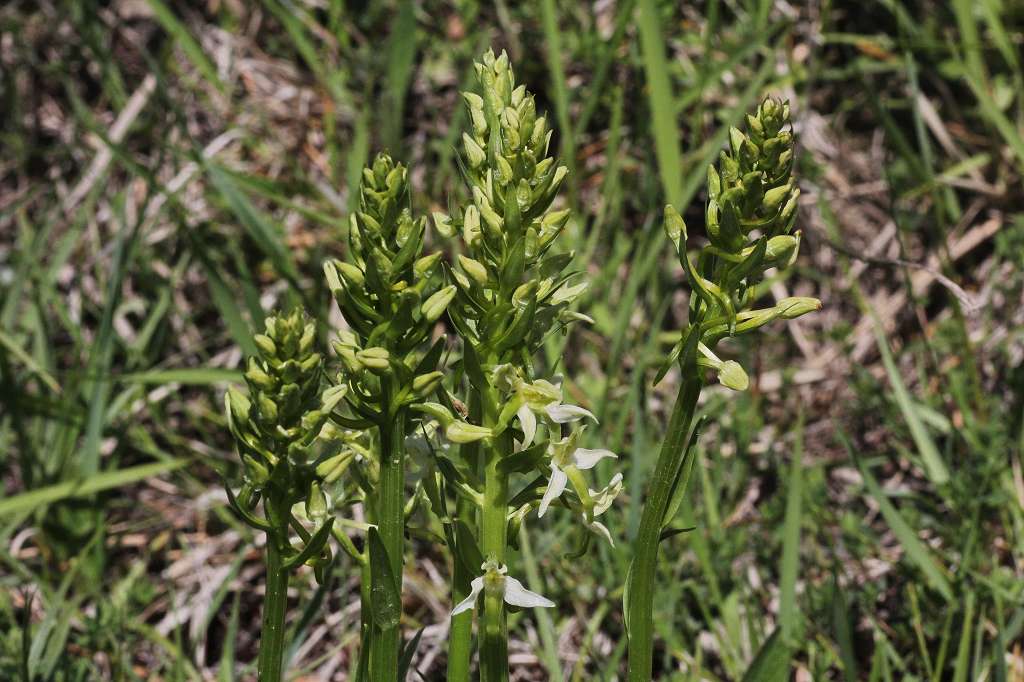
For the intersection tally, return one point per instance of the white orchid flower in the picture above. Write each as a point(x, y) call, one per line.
point(567, 461)
point(545, 398)
point(602, 501)
point(496, 581)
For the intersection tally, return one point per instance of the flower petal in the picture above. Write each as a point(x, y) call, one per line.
point(466, 604)
point(585, 458)
point(600, 529)
point(561, 414)
point(556, 486)
point(603, 498)
point(517, 595)
point(528, 420)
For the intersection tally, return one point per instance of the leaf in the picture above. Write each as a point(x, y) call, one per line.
point(313, 547)
point(408, 651)
point(772, 662)
point(934, 466)
point(179, 32)
point(198, 376)
point(385, 599)
point(81, 488)
point(915, 549)
point(790, 565)
point(466, 549)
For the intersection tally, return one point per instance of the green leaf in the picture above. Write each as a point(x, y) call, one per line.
point(385, 600)
point(198, 376)
point(179, 32)
point(772, 662)
point(934, 466)
point(915, 549)
point(789, 569)
point(88, 486)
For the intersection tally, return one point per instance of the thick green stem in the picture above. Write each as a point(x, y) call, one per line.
point(460, 637)
point(493, 541)
point(275, 601)
point(391, 524)
point(645, 547)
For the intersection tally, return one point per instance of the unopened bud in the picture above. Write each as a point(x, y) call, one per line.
point(675, 228)
point(795, 306)
point(474, 152)
point(463, 432)
point(426, 384)
point(374, 359)
point(435, 306)
point(474, 268)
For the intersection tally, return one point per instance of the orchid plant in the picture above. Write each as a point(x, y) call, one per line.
point(749, 220)
point(402, 428)
point(513, 289)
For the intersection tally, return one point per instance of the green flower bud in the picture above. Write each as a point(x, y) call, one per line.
point(426, 384)
point(330, 470)
point(474, 153)
point(255, 471)
point(424, 267)
point(435, 306)
point(316, 503)
point(374, 359)
point(461, 432)
point(731, 375)
point(675, 228)
point(782, 250)
point(474, 268)
point(352, 274)
point(265, 345)
point(443, 224)
point(257, 377)
point(471, 226)
point(436, 410)
point(795, 306)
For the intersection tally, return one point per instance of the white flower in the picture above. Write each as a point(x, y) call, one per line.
point(567, 460)
point(543, 397)
point(495, 581)
point(602, 501)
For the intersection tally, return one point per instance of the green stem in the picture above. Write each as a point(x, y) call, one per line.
point(391, 524)
point(460, 637)
point(275, 602)
point(645, 547)
point(365, 623)
point(493, 541)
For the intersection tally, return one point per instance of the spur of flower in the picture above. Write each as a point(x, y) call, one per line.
point(496, 581)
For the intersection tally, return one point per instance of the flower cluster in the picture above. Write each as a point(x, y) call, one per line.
point(513, 288)
point(389, 296)
point(751, 211)
point(276, 427)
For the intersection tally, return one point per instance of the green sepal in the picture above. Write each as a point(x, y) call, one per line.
point(385, 598)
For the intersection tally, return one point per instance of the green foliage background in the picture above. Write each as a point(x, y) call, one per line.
point(171, 170)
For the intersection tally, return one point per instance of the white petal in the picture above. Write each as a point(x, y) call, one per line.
point(517, 595)
point(561, 414)
point(556, 486)
point(466, 604)
point(528, 420)
point(600, 529)
point(585, 458)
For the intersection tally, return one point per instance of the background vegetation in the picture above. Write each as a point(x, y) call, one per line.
point(170, 170)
